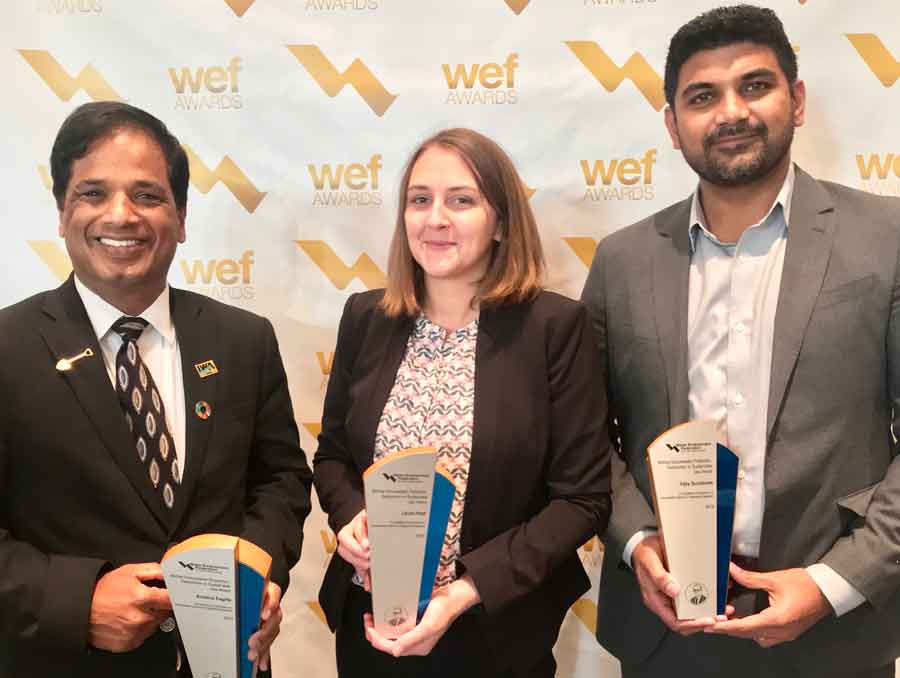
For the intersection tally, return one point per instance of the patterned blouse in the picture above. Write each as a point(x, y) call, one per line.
point(432, 403)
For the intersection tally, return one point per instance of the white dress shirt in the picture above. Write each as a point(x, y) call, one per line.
point(159, 351)
point(732, 298)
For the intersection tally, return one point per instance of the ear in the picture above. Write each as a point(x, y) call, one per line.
point(182, 215)
point(798, 93)
point(672, 127)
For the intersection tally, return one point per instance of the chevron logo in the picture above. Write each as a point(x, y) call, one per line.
point(332, 81)
point(586, 611)
point(582, 247)
point(229, 174)
point(53, 256)
point(877, 57)
point(611, 76)
point(517, 6)
point(326, 360)
point(64, 85)
point(337, 271)
point(46, 179)
point(314, 428)
point(239, 7)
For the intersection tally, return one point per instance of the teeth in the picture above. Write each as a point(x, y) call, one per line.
point(119, 243)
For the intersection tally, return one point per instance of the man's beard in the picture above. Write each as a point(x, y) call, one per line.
point(713, 169)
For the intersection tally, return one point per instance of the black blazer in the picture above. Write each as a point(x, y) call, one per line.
point(74, 499)
point(538, 483)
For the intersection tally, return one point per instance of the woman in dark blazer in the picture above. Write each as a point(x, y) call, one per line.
point(465, 352)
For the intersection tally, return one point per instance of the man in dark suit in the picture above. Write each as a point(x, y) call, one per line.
point(135, 416)
point(767, 302)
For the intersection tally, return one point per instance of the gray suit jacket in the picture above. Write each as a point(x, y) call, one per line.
point(832, 477)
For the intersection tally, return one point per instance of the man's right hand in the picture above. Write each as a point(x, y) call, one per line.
point(353, 546)
point(659, 588)
point(124, 610)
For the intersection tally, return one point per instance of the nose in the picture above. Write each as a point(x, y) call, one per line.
point(120, 210)
point(437, 216)
point(732, 109)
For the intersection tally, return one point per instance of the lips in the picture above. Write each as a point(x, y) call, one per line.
point(112, 242)
point(120, 248)
point(735, 140)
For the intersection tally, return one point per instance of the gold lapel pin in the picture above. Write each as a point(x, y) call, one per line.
point(203, 409)
point(206, 369)
point(66, 364)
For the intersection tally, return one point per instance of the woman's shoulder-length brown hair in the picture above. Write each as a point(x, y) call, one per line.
point(516, 270)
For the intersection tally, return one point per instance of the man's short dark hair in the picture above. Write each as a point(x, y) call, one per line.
point(92, 122)
point(725, 26)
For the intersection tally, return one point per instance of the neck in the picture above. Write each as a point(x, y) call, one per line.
point(731, 210)
point(448, 303)
point(130, 302)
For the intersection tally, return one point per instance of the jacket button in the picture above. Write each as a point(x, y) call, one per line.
point(168, 625)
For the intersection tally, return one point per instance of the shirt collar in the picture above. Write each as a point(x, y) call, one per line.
point(783, 199)
point(102, 314)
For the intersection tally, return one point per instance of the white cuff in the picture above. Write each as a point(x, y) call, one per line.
point(837, 590)
point(632, 543)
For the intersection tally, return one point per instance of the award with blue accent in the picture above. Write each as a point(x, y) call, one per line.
point(217, 584)
point(694, 479)
point(408, 502)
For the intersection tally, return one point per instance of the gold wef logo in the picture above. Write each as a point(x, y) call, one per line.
point(64, 85)
point(877, 57)
point(229, 174)
point(517, 6)
point(53, 256)
point(337, 271)
point(332, 81)
point(611, 76)
point(583, 248)
point(46, 179)
point(239, 7)
point(314, 428)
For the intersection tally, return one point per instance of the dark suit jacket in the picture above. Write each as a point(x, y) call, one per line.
point(832, 479)
point(75, 500)
point(539, 471)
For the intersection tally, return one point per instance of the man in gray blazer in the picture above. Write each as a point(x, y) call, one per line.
point(769, 302)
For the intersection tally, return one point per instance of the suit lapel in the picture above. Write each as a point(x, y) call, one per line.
point(67, 331)
point(198, 342)
point(671, 267)
point(490, 371)
point(809, 242)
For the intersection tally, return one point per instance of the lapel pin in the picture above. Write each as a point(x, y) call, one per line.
point(66, 364)
point(206, 369)
point(203, 409)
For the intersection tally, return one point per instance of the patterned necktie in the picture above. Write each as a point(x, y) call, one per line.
point(144, 411)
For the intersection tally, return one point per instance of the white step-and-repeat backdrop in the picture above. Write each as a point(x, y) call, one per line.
point(299, 114)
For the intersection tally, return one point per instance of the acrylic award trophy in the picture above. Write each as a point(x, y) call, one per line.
point(217, 583)
point(408, 503)
point(694, 479)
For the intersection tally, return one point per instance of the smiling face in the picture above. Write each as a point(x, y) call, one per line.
point(119, 219)
point(450, 226)
point(735, 113)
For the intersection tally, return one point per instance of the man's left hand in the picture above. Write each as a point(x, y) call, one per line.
point(795, 605)
point(261, 642)
point(447, 603)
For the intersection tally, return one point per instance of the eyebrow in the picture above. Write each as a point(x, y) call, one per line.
point(141, 183)
point(759, 73)
point(420, 187)
point(696, 87)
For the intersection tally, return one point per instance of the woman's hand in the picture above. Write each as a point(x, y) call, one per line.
point(447, 603)
point(353, 546)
